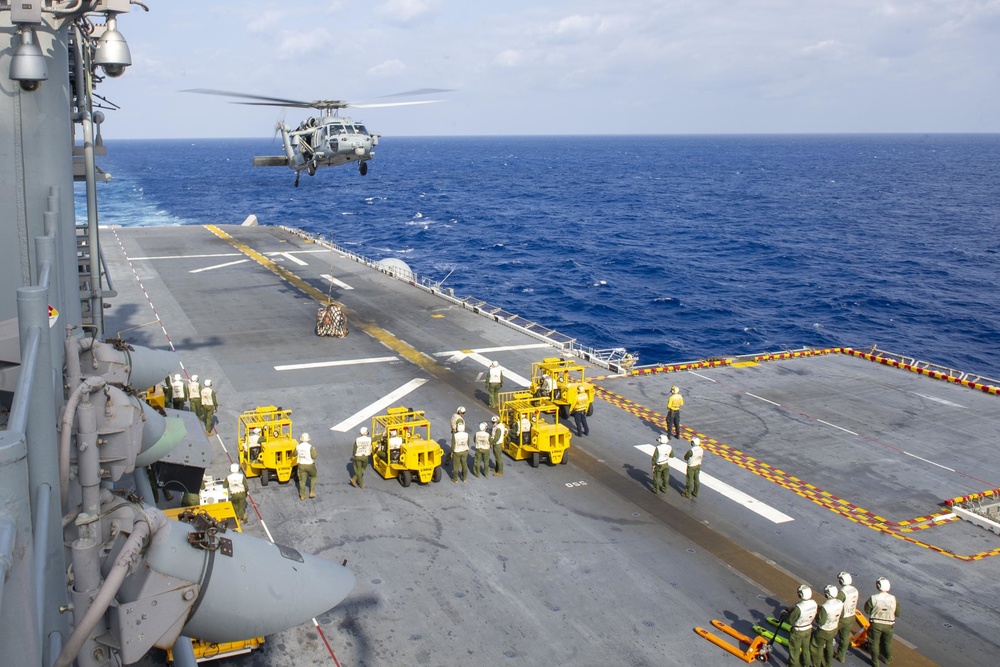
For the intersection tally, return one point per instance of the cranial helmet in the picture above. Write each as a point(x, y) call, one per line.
point(482, 426)
point(304, 437)
point(830, 591)
point(663, 439)
point(805, 593)
point(674, 390)
point(461, 409)
point(234, 467)
point(495, 363)
point(844, 578)
point(177, 377)
point(882, 584)
point(495, 419)
point(582, 387)
point(696, 441)
point(461, 427)
point(363, 430)
point(194, 378)
point(208, 383)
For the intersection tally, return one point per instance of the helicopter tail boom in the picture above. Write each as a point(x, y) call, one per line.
point(270, 161)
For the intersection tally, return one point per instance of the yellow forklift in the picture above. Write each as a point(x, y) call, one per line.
point(402, 447)
point(533, 428)
point(213, 519)
point(561, 381)
point(267, 448)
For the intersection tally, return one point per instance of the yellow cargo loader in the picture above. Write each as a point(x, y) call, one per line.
point(402, 447)
point(214, 518)
point(562, 381)
point(533, 428)
point(267, 448)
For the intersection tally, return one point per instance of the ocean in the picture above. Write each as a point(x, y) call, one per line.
point(674, 247)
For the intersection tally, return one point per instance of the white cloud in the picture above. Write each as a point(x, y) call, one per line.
point(264, 23)
point(295, 43)
point(407, 12)
point(387, 69)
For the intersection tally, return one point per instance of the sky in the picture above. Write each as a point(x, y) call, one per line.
point(552, 67)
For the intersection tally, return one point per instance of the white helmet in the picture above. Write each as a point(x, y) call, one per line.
point(304, 437)
point(177, 377)
point(255, 430)
point(675, 390)
point(482, 426)
point(234, 467)
point(696, 441)
point(363, 430)
point(830, 591)
point(194, 378)
point(882, 584)
point(663, 439)
point(844, 578)
point(495, 363)
point(461, 410)
point(460, 427)
point(495, 419)
point(805, 593)
point(582, 387)
point(208, 383)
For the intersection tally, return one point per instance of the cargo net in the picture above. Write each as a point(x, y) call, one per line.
point(331, 321)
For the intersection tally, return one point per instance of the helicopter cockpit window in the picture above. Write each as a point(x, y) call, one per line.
point(334, 129)
point(362, 129)
point(349, 129)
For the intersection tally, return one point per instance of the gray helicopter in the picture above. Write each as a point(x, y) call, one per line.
point(329, 140)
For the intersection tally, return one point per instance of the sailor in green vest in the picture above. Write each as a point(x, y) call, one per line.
point(209, 404)
point(497, 438)
point(827, 624)
point(693, 457)
point(849, 596)
point(236, 482)
point(307, 467)
point(882, 610)
point(800, 618)
point(481, 459)
point(194, 395)
point(177, 395)
point(661, 464)
point(362, 450)
point(494, 381)
point(460, 452)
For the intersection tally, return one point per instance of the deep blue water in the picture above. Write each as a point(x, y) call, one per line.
point(677, 248)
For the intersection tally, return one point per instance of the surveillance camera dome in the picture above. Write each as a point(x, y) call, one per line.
point(114, 71)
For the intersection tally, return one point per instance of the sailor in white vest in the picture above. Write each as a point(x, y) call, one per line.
point(661, 464)
point(209, 404)
point(849, 596)
point(692, 483)
point(481, 459)
point(177, 396)
point(194, 395)
point(882, 609)
point(827, 624)
point(800, 618)
point(460, 453)
point(494, 381)
point(498, 436)
point(362, 450)
point(236, 482)
point(306, 454)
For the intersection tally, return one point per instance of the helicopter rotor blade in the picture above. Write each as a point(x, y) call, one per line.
point(392, 104)
point(265, 101)
point(418, 91)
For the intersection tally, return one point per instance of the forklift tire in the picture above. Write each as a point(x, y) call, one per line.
point(565, 459)
point(436, 475)
point(534, 459)
point(405, 477)
point(564, 412)
point(590, 409)
point(265, 477)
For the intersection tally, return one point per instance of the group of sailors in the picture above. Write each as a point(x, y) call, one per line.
point(483, 442)
point(177, 391)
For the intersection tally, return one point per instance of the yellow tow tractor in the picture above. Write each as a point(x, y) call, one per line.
point(560, 381)
point(402, 447)
point(212, 521)
point(267, 448)
point(533, 428)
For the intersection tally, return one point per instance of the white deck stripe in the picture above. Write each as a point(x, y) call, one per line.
point(366, 413)
point(291, 258)
point(219, 266)
point(217, 254)
point(929, 461)
point(761, 398)
point(835, 426)
point(483, 350)
point(507, 374)
point(703, 377)
point(341, 285)
point(731, 492)
point(327, 364)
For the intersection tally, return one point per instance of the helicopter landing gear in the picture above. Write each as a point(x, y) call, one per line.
point(297, 178)
point(363, 168)
point(312, 169)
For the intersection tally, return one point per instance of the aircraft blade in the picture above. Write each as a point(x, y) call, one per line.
point(392, 104)
point(265, 101)
point(418, 91)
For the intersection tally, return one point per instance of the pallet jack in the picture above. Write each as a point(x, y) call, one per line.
point(757, 649)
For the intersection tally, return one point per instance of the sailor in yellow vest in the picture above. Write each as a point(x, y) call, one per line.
point(827, 624)
point(209, 404)
point(494, 381)
point(236, 482)
point(882, 610)
point(194, 395)
point(497, 438)
point(661, 464)
point(579, 412)
point(692, 482)
point(362, 450)
point(800, 618)
point(307, 466)
point(481, 459)
point(177, 396)
point(849, 596)
point(460, 453)
point(674, 404)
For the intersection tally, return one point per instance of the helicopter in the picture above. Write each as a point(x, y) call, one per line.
point(328, 140)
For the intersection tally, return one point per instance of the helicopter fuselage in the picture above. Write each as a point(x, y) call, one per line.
point(326, 141)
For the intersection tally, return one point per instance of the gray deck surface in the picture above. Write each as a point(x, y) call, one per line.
point(579, 563)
